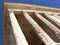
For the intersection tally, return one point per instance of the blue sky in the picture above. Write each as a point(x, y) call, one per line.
point(49, 3)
